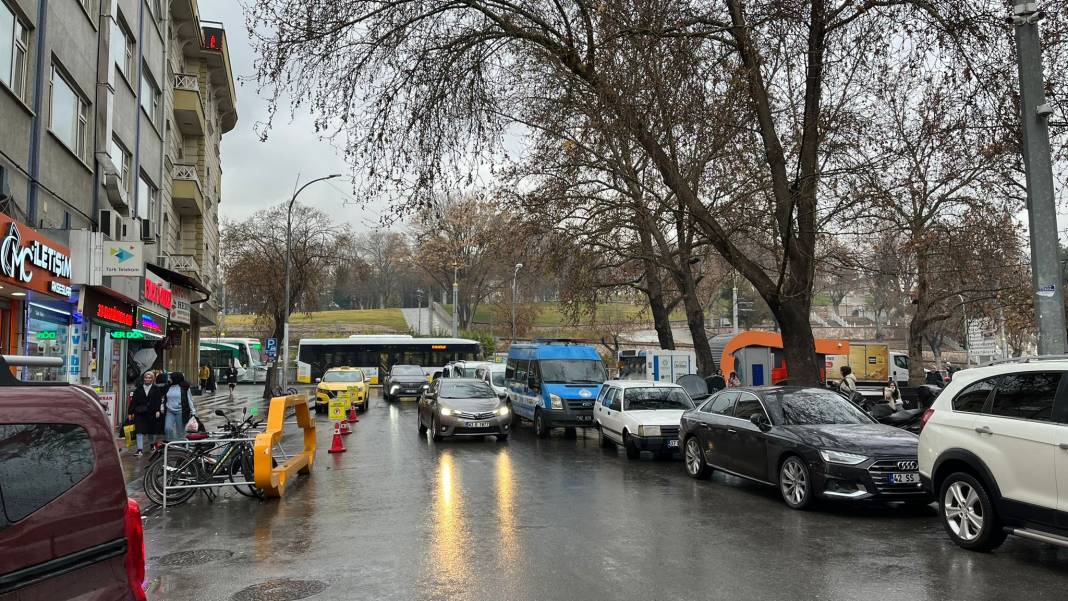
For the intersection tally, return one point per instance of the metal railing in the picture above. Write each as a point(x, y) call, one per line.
point(186, 81)
point(181, 263)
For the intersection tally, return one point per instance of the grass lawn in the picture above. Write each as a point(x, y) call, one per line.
point(391, 319)
point(550, 314)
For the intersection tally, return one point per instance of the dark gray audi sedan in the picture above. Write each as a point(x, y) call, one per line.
point(463, 407)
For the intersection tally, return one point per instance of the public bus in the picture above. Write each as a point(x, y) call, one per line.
point(248, 353)
point(376, 354)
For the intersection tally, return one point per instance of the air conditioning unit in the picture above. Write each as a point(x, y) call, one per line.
point(146, 231)
point(110, 224)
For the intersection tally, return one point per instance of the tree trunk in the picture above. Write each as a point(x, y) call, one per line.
point(272, 372)
point(695, 317)
point(798, 343)
point(654, 289)
point(918, 324)
point(916, 375)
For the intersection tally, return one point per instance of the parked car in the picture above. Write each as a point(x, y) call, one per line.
point(404, 381)
point(641, 415)
point(466, 369)
point(463, 407)
point(809, 442)
point(493, 374)
point(67, 528)
point(994, 451)
point(339, 379)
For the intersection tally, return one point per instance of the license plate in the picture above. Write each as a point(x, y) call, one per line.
point(478, 424)
point(585, 418)
point(674, 442)
point(904, 478)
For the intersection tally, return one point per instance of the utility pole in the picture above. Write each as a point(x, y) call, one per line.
point(734, 305)
point(967, 332)
point(455, 300)
point(430, 310)
point(419, 311)
point(515, 276)
point(1046, 275)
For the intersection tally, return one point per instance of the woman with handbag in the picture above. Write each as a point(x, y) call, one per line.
point(178, 410)
point(146, 411)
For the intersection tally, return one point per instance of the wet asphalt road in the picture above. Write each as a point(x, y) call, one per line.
point(400, 517)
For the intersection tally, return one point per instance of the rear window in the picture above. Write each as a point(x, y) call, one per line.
point(466, 390)
point(38, 463)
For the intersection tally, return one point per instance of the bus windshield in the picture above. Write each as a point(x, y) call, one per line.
point(571, 371)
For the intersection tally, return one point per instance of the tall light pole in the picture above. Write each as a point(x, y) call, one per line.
point(455, 300)
point(515, 277)
point(734, 305)
point(1041, 209)
point(967, 332)
point(285, 299)
point(419, 311)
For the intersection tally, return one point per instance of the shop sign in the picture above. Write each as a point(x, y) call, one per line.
point(111, 311)
point(182, 305)
point(123, 259)
point(127, 335)
point(157, 291)
point(32, 261)
point(151, 323)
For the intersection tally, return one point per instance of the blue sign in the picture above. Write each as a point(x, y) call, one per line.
point(272, 347)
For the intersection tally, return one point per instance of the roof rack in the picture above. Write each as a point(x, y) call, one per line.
point(1030, 359)
point(7, 361)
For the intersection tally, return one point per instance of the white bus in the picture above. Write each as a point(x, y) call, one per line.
point(376, 354)
point(248, 352)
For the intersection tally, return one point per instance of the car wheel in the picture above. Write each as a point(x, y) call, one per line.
point(502, 438)
point(795, 484)
point(968, 514)
point(434, 424)
point(633, 452)
point(541, 430)
point(606, 443)
point(695, 460)
point(515, 417)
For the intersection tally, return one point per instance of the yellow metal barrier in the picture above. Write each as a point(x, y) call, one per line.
point(272, 479)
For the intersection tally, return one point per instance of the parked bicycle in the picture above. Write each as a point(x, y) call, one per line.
point(230, 460)
point(279, 391)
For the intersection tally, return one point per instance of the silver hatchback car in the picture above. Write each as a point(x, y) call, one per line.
point(463, 407)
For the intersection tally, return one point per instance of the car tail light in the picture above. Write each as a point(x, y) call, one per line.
point(135, 550)
point(926, 417)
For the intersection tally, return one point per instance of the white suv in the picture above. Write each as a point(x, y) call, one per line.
point(994, 451)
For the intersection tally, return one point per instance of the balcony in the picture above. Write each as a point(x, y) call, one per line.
point(188, 105)
point(187, 196)
point(186, 264)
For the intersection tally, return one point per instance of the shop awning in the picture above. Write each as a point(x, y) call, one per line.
point(182, 280)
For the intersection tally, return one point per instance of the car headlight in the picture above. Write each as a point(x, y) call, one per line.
point(841, 457)
point(425, 386)
point(555, 401)
point(446, 411)
point(649, 430)
point(502, 411)
point(394, 388)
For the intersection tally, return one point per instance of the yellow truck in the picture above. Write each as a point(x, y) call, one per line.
point(870, 363)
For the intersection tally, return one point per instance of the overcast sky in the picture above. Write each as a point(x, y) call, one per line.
point(260, 174)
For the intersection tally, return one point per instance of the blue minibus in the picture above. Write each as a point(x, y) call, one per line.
point(554, 384)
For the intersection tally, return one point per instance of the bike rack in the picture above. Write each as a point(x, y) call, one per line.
point(272, 480)
point(187, 443)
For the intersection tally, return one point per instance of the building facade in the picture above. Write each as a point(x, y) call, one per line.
point(111, 114)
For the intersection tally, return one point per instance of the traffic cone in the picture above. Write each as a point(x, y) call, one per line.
point(345, 430)
point(337, 446)
point(355, 415)
point(352, 419)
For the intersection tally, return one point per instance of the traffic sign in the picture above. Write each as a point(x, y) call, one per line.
point(271, 348)
point(337, 408)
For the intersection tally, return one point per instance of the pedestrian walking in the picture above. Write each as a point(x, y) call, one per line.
point(848, 385)
point(892, 396)
point(231, 379)
point(212, 385)
point(177, 407)
point(205, 372)
point(734, 381)
point(146, 411)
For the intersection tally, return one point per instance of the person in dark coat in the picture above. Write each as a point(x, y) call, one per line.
point(177, 407)
point(231, 378)
point(146, 411)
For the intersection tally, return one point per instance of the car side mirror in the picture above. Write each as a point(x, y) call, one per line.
point(317, 380)
point(760, 421)
point(220, 413)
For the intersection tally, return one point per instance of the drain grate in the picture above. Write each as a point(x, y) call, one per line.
point(280, 590)
point(193, 558)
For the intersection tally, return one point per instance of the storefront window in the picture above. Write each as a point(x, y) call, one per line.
point(47, 334)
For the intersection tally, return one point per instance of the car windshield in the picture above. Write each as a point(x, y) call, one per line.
point(469, 372)
point(343, 376)
point(407, 370)
point(498, 378)
point(661, 397)
point(571, 371)
point(466, 390)
point(812, 407)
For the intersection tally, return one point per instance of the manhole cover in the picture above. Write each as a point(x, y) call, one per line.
point(193, 558)
point(280, 590)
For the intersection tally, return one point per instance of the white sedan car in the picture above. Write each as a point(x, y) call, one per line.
point(641, 415)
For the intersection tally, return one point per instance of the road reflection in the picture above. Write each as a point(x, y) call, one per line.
point(506, 514)
point(449, 553)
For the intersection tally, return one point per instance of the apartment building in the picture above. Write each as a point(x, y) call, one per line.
point(111, 114)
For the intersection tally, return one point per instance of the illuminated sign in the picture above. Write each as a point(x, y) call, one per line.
point(213, 38)
point(32, 261)
point(151, 323)
point(115, 314)
point(111, 311)
point(46, 335)
point(158, 293)
point(438, 347)
point(127, 335)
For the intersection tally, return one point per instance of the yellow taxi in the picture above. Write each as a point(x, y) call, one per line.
point(340, 379)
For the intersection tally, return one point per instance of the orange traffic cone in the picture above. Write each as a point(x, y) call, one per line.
point(352, 419)
point(337, 446)
point(355, 415)
point(345, 430)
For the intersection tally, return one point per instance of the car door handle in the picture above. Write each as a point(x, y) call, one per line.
point(731, 431)
point(983, 430)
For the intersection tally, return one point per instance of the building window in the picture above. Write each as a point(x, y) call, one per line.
point(14, 46)
point(122, 48)
point(146, 198)
point(122, 159)
point(149, 95)
point(68, 117)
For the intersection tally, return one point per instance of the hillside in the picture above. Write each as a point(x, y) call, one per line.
point(324, 324)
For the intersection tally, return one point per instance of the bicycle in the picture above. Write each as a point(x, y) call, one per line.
point(278, 391)
point(205, 464)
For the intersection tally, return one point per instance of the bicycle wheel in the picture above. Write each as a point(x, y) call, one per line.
point(182, 468)
point(241, 469)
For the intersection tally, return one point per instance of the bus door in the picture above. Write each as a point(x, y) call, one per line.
point(383, 368)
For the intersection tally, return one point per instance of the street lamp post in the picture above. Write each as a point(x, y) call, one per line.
point(515, 276)
point(964, 312)
point(285, 299)
point(419, 311)
point(455, 300)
